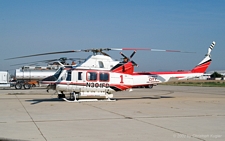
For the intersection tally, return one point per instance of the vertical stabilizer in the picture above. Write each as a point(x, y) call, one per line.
point(204, 64)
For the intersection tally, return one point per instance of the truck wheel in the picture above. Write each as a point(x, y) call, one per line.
point(26, 86)
point(18, 86)
point(150, 86)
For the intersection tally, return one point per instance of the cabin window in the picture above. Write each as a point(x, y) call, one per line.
point(104, 76)
point(92, 76)
point(68, 78)
point(80, 75)
point(101, 65)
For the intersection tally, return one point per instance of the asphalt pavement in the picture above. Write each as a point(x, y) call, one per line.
point(164, 113)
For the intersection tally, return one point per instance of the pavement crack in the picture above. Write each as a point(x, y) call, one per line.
point(72, 120)
point(136, 118)
point(109, 111)
point(185, 116)
point(168, 129)
point(31, 118)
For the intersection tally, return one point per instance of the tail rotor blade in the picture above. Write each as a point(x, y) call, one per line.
point(135, 64)
point(132, 54)
point(123, 55)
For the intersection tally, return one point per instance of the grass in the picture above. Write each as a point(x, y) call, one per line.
point(199, 83)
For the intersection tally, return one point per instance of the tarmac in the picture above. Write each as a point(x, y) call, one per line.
point(164, 113)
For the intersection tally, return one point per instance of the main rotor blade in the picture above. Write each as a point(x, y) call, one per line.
point(150, 49)
point(43, 54)
point(96, 51)
point(22, 64)
point(104, 53)
point(45, 61)
point(73, 59)
point(128, 48)
point(162, 50)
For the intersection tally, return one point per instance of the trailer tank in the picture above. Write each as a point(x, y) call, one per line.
point(28, 76)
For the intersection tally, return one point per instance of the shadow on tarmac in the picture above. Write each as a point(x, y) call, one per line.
point(149, 97)
point(36, 101)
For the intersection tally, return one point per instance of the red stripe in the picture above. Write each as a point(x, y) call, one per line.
point(161, 73)
point(201, 68)
point(136, 49)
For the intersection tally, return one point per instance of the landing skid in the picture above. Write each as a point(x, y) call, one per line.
point(73, 98)
point(89, 100)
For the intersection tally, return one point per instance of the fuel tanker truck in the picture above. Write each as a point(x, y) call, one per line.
point(29, 76)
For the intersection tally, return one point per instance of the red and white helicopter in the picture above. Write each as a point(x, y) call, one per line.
point(99, 75)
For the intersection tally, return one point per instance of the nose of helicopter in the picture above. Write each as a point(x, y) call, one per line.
point(48, 81)
point(49, 78)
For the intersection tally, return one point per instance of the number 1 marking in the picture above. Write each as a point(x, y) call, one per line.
point(121, 78)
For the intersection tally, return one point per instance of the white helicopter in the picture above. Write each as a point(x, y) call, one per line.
point(98, 81)
point(96, 78)
point(99, 76)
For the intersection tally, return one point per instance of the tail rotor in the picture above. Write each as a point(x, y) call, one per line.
point(127, 59)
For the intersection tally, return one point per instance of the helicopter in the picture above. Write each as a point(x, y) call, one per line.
point(100, 83)
point(96, 78)
point(99, 75)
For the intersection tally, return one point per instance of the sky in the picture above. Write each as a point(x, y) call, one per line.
point(32, 27)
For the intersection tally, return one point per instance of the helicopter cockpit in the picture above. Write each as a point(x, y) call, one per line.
point(55, 76)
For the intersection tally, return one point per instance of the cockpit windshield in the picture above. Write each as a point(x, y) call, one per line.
point(58, 72)
point(55, 76)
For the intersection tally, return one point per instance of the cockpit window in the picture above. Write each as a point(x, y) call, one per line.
point(58, 72)
point(54, 77)
point(64, 75)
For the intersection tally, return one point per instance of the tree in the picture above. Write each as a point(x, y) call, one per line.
point(215, 75)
